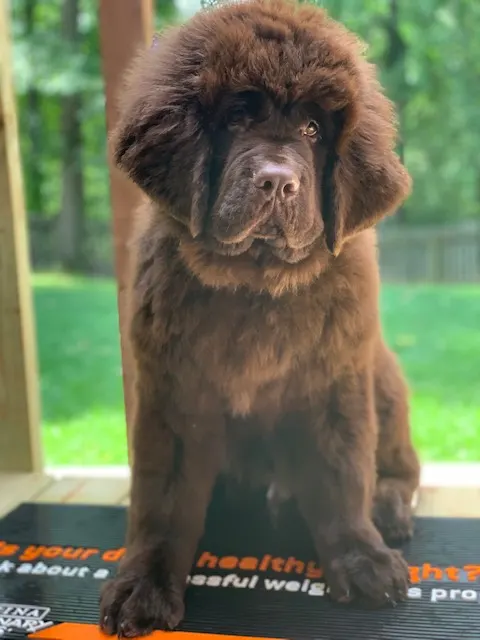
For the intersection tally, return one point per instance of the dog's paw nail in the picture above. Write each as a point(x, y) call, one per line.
point(128, 630)
point(107, 625)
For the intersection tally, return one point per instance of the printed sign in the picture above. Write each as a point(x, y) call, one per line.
point(22, 619)
point(250, 579)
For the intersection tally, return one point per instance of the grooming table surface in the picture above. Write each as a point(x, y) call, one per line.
point(250, 578)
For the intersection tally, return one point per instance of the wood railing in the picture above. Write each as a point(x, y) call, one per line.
point(124, 26)
point(20, 448)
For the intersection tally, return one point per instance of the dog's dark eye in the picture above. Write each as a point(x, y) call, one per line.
point(247, 107)
point(311, 130)
point(237, 115)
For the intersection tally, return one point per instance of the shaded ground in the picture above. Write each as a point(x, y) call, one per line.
point(435, 331)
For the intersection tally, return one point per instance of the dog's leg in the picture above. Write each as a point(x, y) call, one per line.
point(398, 468)
point(331, 472)
point(174, 470)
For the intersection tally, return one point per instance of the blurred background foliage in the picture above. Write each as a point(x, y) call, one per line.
point(428, 54)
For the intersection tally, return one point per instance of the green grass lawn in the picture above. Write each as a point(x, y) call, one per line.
point(435, 331)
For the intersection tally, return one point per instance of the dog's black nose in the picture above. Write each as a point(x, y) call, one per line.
point(278, 180)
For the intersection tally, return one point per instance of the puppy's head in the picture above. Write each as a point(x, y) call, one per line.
point(269, 157)
point(264, 132)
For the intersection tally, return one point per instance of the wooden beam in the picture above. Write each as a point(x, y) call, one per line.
point(124, 27)
point(20, 448)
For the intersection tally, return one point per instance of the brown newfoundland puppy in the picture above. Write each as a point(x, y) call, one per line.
point(265, 146)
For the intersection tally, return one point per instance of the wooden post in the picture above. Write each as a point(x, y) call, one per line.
point(20, 448)
point(124, 26)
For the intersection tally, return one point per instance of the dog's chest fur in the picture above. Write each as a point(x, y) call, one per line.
point(257, 344)
point(252, 353)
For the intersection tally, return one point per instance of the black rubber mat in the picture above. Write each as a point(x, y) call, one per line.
point(250, 578)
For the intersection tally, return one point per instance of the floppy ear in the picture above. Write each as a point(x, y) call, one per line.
point(364, 179)
point(159, 140)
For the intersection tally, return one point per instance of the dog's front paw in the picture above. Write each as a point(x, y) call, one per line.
point(137, 602)
point(373, 575)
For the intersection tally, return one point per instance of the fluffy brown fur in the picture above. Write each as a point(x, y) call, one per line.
point(265, 146)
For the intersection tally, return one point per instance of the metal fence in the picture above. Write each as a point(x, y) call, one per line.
point(430, 254)
point(407, 254)
point(97, 249)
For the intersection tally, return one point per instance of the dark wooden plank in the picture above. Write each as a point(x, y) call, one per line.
point(124, 26)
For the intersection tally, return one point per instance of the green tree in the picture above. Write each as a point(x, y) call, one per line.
point(61, 114)
point(71, 223)
point(428, 55)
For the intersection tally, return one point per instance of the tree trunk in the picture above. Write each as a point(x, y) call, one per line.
point(395, 58)
point(72, 214)
point(34, 155)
